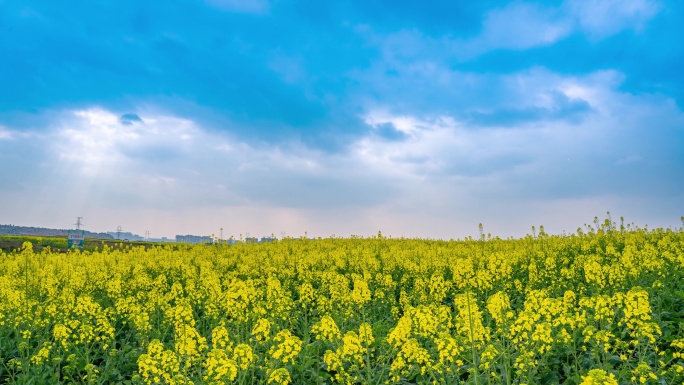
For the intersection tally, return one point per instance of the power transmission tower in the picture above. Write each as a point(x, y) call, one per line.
point(78, 223)
point(147, 235)
point(118, 232)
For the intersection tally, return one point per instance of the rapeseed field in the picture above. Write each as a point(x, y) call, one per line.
point(604, 305)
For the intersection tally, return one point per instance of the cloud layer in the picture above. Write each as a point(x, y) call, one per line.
point(270, 117)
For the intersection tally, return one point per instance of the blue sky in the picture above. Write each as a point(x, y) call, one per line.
point(341, 118)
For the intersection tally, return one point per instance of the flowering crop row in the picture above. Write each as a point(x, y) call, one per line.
point(603, 306)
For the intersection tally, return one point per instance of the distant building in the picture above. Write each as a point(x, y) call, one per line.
point(195, 239)
point(162, 239)
point(120, 235)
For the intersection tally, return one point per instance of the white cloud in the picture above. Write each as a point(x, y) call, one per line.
point(443, 148)
point(95, 140)
point(534, 157)
point(524, 25)
point(5, 133)
point(521, 25)
point(602, 18)
point(171, 175)
point(406, 124)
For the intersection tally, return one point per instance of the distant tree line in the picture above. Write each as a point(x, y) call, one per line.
point(45, 232)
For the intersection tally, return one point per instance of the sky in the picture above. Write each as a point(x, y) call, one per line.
point(301, 118)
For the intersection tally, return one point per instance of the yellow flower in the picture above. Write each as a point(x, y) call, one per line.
point(351, 348)
point(449, 350)
point(643, 373)
point(220, 338)
point(488, 357)
point(158, 363)
point(219, 367)
point(326, 329)
point(243, 356)
point(42, 355)
point(361, 294)
point(469, 322)
point(499, 307)
point(599, 377)
point(411, 357)
point(262, 330)
point(279, 376)
point(286, 347)
point(366, 334)
point(189, 343)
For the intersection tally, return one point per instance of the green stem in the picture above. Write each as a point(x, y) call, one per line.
point(472, 340)
point(26, 287)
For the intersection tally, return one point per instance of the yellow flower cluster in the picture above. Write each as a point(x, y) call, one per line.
point(638, 317)
point(286, 347)
point(449, 351)
point(219, 367)
point(307, 296)
point(366, 334)
point(279, 376)
point(189, 343)
point(470, 322)
point(599, 377)
point(160, 365)
point(43, 354)
point(499, 307)
point(348, 360)
point(220, 339)
point(262, 330)
point(243, 355)
point(411, 359)
point(643, 374)
point(326, 329)
point(361, 294)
